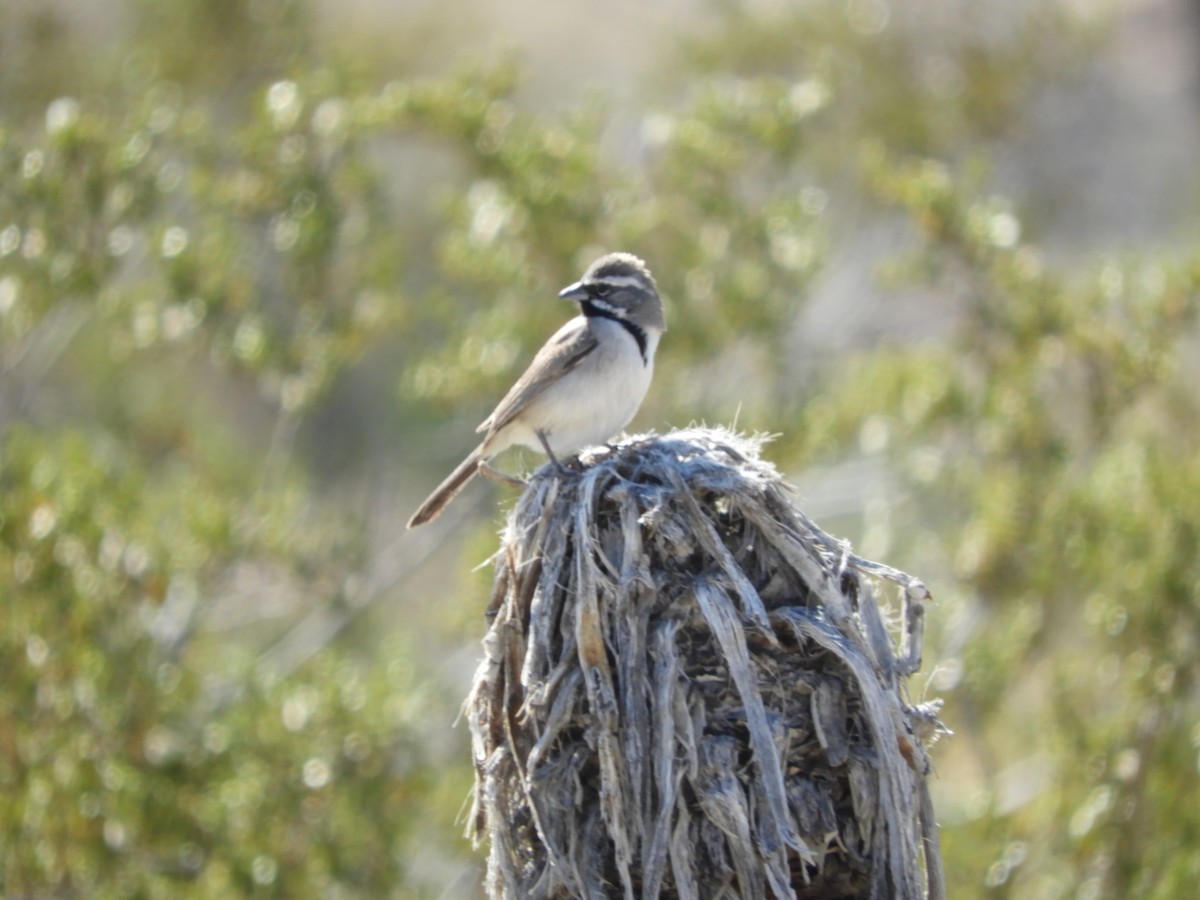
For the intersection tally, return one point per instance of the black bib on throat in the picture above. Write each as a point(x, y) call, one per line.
point(591, 310)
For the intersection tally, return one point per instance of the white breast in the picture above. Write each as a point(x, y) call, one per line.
point(597, 398)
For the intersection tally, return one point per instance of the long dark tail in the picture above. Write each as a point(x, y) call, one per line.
point(447, 490)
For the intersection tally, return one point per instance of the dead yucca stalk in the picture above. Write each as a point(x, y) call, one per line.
point(689, 691)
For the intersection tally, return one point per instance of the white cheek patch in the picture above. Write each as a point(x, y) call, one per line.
point(606, 307)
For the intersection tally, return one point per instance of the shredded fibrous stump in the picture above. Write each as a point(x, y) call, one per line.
point(689, 691)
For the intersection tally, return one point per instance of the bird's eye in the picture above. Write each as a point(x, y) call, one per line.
point(601, 290)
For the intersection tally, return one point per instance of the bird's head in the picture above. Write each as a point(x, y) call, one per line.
point(618, 285)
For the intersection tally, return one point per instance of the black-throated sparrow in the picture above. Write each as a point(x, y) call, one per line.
point(585, 384)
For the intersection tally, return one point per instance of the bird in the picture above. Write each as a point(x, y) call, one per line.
point(584, 385)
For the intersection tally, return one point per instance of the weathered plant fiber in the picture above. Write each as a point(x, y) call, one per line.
point(689, 691)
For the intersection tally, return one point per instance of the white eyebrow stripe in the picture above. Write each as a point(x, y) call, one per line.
point(621, 281)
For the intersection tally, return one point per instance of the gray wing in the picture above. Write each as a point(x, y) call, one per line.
point(559, 355)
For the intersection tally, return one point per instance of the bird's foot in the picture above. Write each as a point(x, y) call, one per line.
point(564, 469)
point(559, 467)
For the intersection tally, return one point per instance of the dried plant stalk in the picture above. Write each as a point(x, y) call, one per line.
point(689, 692)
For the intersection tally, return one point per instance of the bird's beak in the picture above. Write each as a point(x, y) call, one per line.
point(574, 291)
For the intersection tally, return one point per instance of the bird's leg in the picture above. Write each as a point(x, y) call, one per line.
point(563, 470)
point(487, 470)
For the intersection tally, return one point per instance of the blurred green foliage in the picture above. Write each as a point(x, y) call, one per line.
point(1056, 444)
point(217, 217)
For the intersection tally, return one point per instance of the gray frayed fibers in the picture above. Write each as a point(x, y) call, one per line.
point(689, 691)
